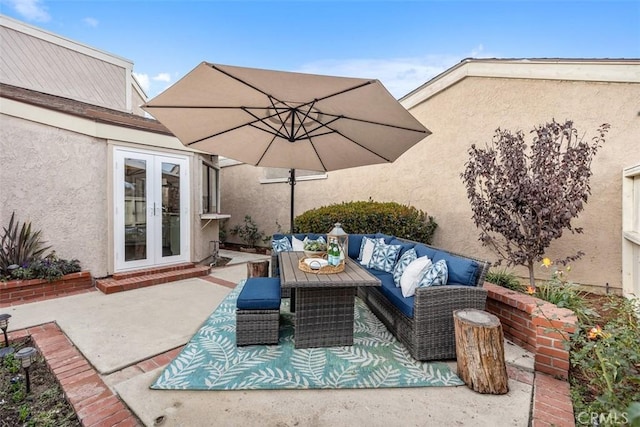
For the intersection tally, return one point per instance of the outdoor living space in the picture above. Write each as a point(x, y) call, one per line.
point(137, 232)
point(128, 338)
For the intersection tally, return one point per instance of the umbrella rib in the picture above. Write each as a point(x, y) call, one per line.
point(371, 122)
point(243, 82)
point(368, 82)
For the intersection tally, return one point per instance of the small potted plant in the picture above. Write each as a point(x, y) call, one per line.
point(249, 233)
point(315, 249)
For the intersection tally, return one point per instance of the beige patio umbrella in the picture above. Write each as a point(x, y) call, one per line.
point(286, 120)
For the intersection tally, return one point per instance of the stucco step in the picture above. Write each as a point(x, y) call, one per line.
point(154, 270)
point(111, 285)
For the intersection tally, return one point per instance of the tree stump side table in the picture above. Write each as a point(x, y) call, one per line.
point(480, 351)
point(258, 268)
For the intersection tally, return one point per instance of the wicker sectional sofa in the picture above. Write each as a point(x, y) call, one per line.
point(423, 322)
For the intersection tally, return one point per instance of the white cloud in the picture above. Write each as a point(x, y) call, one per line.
point(31, 10)
point(399, 75)
point(162, 77)
point(153, 85)
point(90, 22)
point(144, 81)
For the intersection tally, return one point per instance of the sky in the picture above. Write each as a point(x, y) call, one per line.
point(402, 43)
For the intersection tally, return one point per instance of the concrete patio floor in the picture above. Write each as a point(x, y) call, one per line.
point(118, 332)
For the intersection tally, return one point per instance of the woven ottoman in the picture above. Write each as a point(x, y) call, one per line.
point(258, 312)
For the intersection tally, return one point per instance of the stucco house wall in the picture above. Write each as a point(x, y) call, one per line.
point(428, 175)
point(56, 180)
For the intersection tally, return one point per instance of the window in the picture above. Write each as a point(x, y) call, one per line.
point(631, 231)
point(282, 175)
point(209, 188)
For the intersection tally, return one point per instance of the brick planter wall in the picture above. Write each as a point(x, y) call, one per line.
point(23, 291)
point(536, 325)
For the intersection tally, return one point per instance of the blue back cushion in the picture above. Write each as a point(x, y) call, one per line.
point(405, 246)
point(355, 240)
point(386, 237)
point(260, 293)
point(462, 271)
point(423, 250)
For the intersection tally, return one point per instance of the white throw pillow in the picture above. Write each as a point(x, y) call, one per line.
point(365, 241)
point(297, 244)
point(411, 276)
point(367, 251)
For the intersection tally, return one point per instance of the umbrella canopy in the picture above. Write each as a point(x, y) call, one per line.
point(288, 120)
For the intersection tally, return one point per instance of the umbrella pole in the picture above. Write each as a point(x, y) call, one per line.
point(292, 183)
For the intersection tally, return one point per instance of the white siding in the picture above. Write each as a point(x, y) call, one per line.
point(35, 63)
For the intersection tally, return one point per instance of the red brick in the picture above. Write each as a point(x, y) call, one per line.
point(70, 364)
point(103, 412)
point(148, 365)
point(545, 360)
point(561, 364)
point(85, 367)
point(78, 403)
point(113, 419)
point(89, 409)
point(554, 353)
point(131, 421)
point(79, 377)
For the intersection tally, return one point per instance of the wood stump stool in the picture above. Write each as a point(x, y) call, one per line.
point(480, 351)
point(258, 268)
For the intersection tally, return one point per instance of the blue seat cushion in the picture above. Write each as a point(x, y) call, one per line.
point(393, 294)
point(260, 293)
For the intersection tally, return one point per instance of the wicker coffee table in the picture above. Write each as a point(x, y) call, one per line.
point(324, 303)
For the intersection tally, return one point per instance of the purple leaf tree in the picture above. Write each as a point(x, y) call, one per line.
point(524, 197)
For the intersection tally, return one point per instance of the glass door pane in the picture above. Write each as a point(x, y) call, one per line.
point(170, 209)
point(135, 209)
point(151, 209)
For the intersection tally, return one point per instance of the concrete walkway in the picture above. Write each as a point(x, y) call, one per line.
point(125, 337)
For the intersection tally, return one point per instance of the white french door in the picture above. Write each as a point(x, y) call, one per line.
point(151, 200)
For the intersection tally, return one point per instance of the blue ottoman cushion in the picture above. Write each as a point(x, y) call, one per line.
point(260, 293)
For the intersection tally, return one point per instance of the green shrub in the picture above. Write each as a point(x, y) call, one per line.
point(564, 294)
point(505, 278)
point(50, 268)
point(249, 232)
point(365, 217)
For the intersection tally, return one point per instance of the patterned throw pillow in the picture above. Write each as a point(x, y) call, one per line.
point(436, 275)
point(402, 264)
point(281, 245)
point(366, 249)
point(384, 256)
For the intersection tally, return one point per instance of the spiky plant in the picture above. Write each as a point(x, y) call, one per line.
point(20, 245)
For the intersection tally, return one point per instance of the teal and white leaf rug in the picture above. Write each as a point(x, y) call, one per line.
point(211, 360)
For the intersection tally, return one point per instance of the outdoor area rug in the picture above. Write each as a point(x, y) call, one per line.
point(211, 360)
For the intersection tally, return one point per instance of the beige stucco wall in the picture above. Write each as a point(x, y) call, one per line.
point(56, 179)
point(428, 175)
point(60, 181)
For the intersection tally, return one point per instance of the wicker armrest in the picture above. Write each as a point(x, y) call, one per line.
point(437, 301)
point(275, 268)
